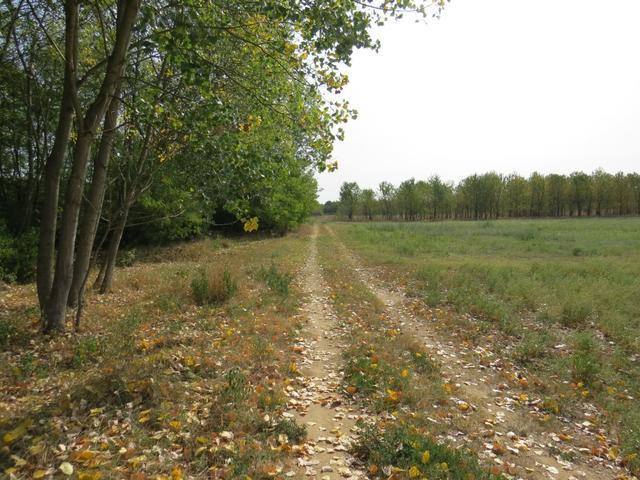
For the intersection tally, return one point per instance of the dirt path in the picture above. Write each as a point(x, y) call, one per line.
point(316, 399)
point(495, 418)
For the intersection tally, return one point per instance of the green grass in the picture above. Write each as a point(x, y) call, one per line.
point(415, 454)
point(575, 281)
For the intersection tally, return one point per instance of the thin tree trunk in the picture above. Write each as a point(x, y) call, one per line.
point(55, 162)
point(112, 250)
point(57, 301)
point(93, 206)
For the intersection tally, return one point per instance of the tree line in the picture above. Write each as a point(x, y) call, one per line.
point(491, 195)
point(162, 118)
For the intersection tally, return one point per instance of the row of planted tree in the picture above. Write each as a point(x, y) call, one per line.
point(165, 114)
point(492, 195)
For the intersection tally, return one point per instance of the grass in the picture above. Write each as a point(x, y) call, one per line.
point(415, 454)
point(276, 280)
point(389, 371)
point(155, 386)
point(213, 285)
point(538, 283)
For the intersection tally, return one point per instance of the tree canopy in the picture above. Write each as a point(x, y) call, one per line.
point(130, 112)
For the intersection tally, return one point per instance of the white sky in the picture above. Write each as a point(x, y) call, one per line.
point(504, 85)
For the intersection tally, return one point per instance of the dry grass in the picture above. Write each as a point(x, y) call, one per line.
point(154, 386)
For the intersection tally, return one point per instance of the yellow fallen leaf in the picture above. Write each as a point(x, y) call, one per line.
point(89, 475)
point(414, 472)
point(66, 468)
point(84, 455)
point(393, 395)
point(175, 424)
point(40, 474)
point(176, 473)
point(463, 406)
point(404, 373)
point(17, 433)
point(135, 461)
point(36, 449)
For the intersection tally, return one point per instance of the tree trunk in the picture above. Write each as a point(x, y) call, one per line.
point(57, 301)
point(112, 250)
point(93, 205)
point(55, 162)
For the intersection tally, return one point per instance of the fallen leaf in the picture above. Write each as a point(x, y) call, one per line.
point(66, 468)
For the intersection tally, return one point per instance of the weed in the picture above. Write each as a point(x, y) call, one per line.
point(168, 302)
point(585, 360)
point(86, 351)
point(575, 314)
point(237, 387)
point(294, 432)
point(404, 447)
point(27, 364)
point(126, 258)
point(532, 346)
point(277, 281)
point(7, 332)
point(212, 286)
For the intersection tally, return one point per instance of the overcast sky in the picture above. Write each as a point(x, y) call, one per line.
point(503, 85)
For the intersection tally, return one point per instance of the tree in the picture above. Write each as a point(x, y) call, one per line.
point(387, 194)
point(349, 198)
point(98, 49)
point(368, 203)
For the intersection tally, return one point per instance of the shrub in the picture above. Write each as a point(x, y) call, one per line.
point(211, 286)
point(126, 258)
point(277, 281)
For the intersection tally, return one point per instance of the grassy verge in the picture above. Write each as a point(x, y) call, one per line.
point(558, 297)
point(391, 373)
point(166, 380)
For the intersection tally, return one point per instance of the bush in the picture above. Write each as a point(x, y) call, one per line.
point(275, 280)
point(213, 286)
point(126, 258)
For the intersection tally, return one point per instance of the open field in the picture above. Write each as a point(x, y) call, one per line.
point(343, 351)
point(558, 297)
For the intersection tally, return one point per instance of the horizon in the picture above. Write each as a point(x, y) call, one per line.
point(455, 183)
point(481, 89)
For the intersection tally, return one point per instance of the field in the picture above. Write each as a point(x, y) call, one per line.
point(562, 294)
point(456, 350)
